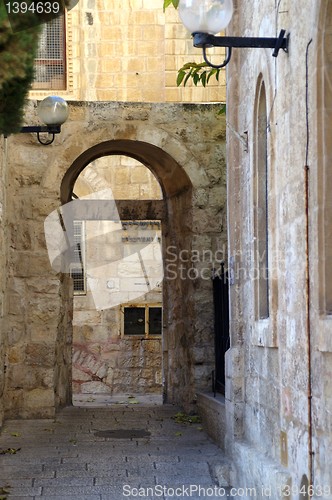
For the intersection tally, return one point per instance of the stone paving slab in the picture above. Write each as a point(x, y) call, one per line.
point(64, 459)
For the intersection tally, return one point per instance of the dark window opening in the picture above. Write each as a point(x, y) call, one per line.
point(142, 320)
point(155, 325)
point(134, 321)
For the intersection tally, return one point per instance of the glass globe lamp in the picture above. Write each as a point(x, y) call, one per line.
point(53, 110)
point(205, 16)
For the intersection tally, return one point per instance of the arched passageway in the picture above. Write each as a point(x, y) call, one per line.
point(117, 273)
point(174, 212)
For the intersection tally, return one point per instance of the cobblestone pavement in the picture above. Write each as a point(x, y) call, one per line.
point(147, 455)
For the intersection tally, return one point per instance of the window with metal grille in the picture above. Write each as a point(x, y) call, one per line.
point(77, 271)
point(142, 320)
point(50, 62)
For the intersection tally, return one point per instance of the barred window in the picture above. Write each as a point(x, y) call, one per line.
point(77, 270)
point(50, 62)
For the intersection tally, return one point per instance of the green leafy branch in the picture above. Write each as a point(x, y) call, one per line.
point(197, 72)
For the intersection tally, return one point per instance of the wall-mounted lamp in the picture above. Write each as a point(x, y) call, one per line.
point(205, 18)
point(53, 111)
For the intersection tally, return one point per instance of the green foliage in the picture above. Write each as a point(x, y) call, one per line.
point(183, 418)
point(197, 72)
point(167, 3)
point(17, 54)
point(9, 451)
point(4, 492)
point(17, 51)
point(222, 110)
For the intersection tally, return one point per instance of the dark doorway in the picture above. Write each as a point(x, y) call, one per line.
point(221, 328)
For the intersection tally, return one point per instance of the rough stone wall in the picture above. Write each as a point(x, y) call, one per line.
point(131, 51)
point(269, 367)
point(38, 324)
point(109, 364)
point(3, 274)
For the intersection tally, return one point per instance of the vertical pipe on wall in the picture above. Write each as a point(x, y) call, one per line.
point(308, 325)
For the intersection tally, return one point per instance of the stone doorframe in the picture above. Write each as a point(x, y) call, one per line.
point(175, 212)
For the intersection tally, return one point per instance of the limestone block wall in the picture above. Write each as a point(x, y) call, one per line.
point(126, 177)
point(37, 326)
point(279, 365)
point(106, 362)
point(130, 51)
point(188, 140)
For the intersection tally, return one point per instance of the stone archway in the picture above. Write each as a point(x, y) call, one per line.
point(175, 212)
point(184, 146)
point(171, 176)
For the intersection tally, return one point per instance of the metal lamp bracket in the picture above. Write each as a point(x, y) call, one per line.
point(49, 129)
point(205, 40)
